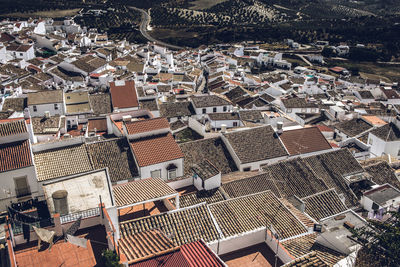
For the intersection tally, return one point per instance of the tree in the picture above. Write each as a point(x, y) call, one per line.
point(380, 242)
point(327, 52)
point(110, 258)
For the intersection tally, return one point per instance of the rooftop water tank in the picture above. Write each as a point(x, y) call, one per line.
point(60, 202)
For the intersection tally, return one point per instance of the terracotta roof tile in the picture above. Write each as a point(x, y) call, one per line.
point(12, 127)
point(256, 144)
point(61, 162)
point(123, 94)
point(208, 196)
point(142, 126)
point(303, 245)
point(141, 190)
point(156, 149)
point(144, 244)
point(212, 149)
point(305, 140)
point(244, 214)
point(184, 225)
point(116, 155)
point(310, 259)
point(15, 155)
point(324, 204)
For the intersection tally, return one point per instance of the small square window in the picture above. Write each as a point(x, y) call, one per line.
point(204, 111)
point(214, 109)
point(55, 106)
point(235, 124)
point(34, 108)
point(225, 109)
point(155, 174)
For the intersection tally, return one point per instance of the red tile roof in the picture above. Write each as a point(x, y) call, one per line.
point(15, 155)
point(199, 255)
point(195, 254)
point(324, 128)
point(156, 149)
point(124, 95)
point(149, 125)
point(11, 127)
point(305, 140)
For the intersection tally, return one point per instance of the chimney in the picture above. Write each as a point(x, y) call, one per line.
point(279, 127)
point(47, 114)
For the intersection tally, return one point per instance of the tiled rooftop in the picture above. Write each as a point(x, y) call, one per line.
point(181, 226)
point(156, 149)
point(310, 259)
point(324, 204)
point(243, 214)
point(144, 244)
point(205, 170)
point(331, 167)
point(254, 184)
point(293, 177)
point(45, 97)
point(61, 162)
point(141, 190)
point(15, 155)
point(116, 155)
point(176, 109)
point(194, 198)
point(12, 127)
point(353, 127)
point(305, 140)
point(388, 132)
point(300, 246)
point(142, 126)
point(212, 149)
point(382, 173)
point(123, 95)
point(100, 103)
point(209, 101)
point(256, 144)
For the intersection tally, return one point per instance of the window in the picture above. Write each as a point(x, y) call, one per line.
point(21, 54)
point(225, 108)
point(204, 111)
point(155, 174)
point(21, 187)
point(55, 106)
point(398, 153)
point(172, 174)
point(214, 109)
point(34, 108)
point(171, 169)
point(235, 124)
point(289, 110)
point(303, 110)
point(247, 169)
point(370, 141)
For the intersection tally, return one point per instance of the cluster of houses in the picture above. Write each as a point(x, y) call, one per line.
point(189, 156)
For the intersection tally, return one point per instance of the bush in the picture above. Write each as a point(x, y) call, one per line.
point(110, 258)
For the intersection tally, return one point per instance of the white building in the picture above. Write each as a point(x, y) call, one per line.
point(384, 197)
point(18, 180)
point(46, 102)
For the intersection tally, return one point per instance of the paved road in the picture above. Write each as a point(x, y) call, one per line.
point(143, 29)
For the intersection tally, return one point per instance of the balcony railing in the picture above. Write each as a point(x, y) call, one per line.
point(75, 216)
